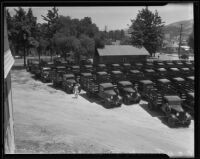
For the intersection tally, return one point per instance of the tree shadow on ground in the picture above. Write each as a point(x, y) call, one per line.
point(97, 100)
point(55, 87)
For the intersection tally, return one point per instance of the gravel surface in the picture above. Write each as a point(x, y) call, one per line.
point(48, 120)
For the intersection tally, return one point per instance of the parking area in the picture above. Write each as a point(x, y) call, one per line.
point(48, 120)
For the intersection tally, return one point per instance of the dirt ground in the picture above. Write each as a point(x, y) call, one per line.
point(48, 120)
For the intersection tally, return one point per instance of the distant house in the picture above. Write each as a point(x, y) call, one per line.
point(119, 54)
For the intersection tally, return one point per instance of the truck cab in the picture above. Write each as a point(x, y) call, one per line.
point(45, 74)
point(162, 72)
point(129, 94)
point(188, 104)
point(58, 77)
point(145, 87)
point(174, 112)
point(178, 64)
point(86, 68)
point(115, 67)
point(109, 95)
point(138, 66)
point(68, 82)
point(149, 65)
point(185, 71)
point(135, 76)
point(116, 76)
point(101, 77)
point(83, 78)
point(173, 72)
point(150, 74)
point(101, 67)
point(125, 67)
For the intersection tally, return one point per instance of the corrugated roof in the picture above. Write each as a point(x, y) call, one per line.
point(134, 71)
point(116, 72)
point(118, 50)
point(161, 69)
point(86, 74)
point(146, 81)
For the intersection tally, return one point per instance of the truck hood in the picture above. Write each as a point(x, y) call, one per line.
point(129, 90)
point(110, 92)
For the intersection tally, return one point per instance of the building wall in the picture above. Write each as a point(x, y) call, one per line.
point(9, 146)
point(118, 59)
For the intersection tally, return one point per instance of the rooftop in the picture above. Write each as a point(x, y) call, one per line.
point(146, 82)
point(125, 83)
point(172, 98)
point(118, 50)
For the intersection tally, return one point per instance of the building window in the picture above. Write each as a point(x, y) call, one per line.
point(124, 59)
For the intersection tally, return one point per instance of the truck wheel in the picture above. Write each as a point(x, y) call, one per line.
point(150, 106)
point(171, 122)
point(125, 100)
point(188, 123)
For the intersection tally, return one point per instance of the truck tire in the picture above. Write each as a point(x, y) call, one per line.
point(125, 100)
point(187, 124)
point(171, 122)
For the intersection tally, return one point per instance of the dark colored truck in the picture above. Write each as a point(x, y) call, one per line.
point(173, 72)
point(125, 67)
point(161, 72)
point(45, 74)
point(31, 62)
point(58, 78)
point(105, 91)
point(129, 94)
point(68, 82)
point(170, 105)
point(150, 74)
point(134, 76)
point(188, 104)
point(114, 67)
point(137, 66)
point(101, 67)
point(185, 71)
point(116, 76)
point(148, 65)
point(87, 69)
point(83, 79)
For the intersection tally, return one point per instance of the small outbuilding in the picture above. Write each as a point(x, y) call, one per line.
point(119, 54)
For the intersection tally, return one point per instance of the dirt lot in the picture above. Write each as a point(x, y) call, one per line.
point(47, 120)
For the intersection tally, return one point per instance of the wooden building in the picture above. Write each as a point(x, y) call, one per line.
point(9, 146)
point(119, 54)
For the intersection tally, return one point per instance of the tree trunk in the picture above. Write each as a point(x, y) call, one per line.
point(24, 56)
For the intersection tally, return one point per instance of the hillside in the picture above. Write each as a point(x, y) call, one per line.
point(174, 28)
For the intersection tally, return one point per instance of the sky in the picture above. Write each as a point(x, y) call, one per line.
point(117, 17)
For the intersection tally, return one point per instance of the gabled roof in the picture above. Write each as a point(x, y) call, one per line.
point(120, 50)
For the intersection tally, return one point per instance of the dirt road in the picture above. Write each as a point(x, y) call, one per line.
point(47, 120)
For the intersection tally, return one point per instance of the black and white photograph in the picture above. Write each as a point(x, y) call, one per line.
point(99, 79)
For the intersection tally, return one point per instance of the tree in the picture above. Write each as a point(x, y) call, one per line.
point(52, 26)
point(191, 40)
point(147, 31)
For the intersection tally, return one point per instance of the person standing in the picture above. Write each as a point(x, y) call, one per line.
point(76, 90)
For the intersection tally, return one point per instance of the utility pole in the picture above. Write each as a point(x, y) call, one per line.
point(179, 47)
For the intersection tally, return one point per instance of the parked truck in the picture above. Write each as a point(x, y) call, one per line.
point(188, 104)
point(170, 105)
point(105, 91)
point(68, 82)
point(128, 93)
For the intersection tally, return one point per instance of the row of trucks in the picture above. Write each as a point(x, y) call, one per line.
point(163, 88)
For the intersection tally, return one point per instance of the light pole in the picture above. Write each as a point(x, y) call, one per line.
point(179, 47)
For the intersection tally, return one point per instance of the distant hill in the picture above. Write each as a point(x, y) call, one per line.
point(174, 28)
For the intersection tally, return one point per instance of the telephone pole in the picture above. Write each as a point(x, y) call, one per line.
point(179, 47)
